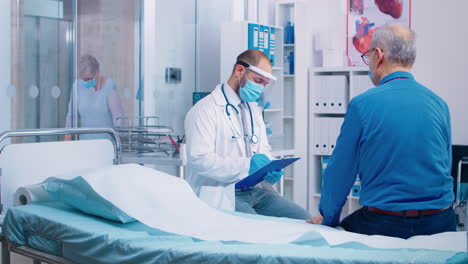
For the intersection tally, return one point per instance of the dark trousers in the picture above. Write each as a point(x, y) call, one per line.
point(366, 222)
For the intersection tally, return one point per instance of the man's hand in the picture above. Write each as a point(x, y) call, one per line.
point(316, 220)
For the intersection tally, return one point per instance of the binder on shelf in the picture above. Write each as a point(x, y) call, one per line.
point(341, 103)
point(332, 96)
point(361, 83)
point(317, 138)
point(272, 45)
point(332, 93)
point(253, 37)
point(263, 40)
point(324, 135)
point(334, 130)
point(319, 95)
point(325, 95)
point(335, 97)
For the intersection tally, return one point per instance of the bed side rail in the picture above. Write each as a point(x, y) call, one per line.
point(66, 131)
point(36, 255)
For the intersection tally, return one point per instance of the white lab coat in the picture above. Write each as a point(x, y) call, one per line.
point(216, 160)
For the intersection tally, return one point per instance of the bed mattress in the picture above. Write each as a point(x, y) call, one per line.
point(62, 231)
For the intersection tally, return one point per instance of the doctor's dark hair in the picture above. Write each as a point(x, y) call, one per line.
point(252, 57)
point(397, 42)
point(87, 65)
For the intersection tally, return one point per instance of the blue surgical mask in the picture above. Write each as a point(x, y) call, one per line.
point(89, 84)
point(251, 91)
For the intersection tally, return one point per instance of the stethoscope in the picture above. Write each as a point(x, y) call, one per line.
point(253, 138)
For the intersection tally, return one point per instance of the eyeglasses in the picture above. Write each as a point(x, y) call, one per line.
point(365, 56)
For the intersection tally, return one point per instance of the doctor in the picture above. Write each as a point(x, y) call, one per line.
point(226, 141)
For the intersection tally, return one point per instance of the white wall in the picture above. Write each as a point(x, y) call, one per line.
point(442, 40)
point(5, 62)
point(149, 56)
point(211, 15)
point(326, 28)
point(169, 36)
point(442, 56)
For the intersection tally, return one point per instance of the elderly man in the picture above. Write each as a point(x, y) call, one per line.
point(226, 141)
point(396, 137)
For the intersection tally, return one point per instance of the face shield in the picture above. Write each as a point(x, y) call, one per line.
point(257, 70)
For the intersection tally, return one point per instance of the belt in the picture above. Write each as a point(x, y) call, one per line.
point(408, 213)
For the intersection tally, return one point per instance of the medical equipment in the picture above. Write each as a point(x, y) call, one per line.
point(253, 137)
point(55, 233)
point(145, 135)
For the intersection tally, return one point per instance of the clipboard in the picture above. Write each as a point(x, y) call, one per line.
point(258, 176)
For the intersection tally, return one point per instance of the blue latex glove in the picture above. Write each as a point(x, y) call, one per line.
point(257, 161)
point(274, 176)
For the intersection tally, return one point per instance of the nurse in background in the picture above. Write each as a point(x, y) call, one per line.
point(98, 100)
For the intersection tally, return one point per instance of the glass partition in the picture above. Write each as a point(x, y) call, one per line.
point(169, 61)
point(75, 63)
point(84, 63)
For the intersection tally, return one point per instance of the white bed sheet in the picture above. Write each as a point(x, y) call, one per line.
point(168, 203)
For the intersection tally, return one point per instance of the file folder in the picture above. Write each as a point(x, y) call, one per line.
point(360, 85)
point(339, 97)
point(272, 46)
point(264, 41)
point(335, 128)
point(253, 37)
point(325, 95)
point(258, 176)
point(317, 138)
point(317, 88)
point(324, 135)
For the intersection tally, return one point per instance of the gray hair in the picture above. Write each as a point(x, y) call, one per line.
point(397, 42)
point(88, 65)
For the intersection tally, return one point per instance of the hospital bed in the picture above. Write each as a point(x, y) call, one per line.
point(53, 232)
point(460, 174)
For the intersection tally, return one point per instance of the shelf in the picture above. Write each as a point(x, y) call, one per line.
point(288, 76)
point(282, 152)
point(330, 114)
point(272, 110)
point(340, 69)
point(276, 68)
point(288, 117)
point(288, 45)
point(288, 179)
point(286, 2)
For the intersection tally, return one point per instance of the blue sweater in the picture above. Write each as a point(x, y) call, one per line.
point(397, 138)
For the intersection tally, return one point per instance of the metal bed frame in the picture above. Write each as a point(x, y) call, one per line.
point(36, 255)
point(460, 204)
